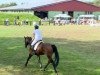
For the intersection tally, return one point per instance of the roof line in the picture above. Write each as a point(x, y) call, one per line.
point(64, 1)
point(49, 4)
point(89, 4)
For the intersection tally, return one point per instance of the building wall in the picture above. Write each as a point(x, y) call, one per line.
point(96, 14)
point(76, 14)
point(53, 13)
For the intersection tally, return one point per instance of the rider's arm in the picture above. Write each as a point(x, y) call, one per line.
point(33, 34)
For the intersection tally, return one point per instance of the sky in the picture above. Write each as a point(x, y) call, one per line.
point(28, 1)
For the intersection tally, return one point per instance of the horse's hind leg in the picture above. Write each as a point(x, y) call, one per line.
point(46, 65)
point(30, 55)
point(54, 66)
point(39, 62)
point(50, 61)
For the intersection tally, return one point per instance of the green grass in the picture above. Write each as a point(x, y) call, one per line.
point(78, 46)
point(12, 16)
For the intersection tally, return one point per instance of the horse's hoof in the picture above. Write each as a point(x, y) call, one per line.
point(56, 73)
point(40, 66)
point(44, 70)
point(25, 65)
point(41, 69)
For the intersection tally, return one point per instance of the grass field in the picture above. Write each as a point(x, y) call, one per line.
point(78, 46)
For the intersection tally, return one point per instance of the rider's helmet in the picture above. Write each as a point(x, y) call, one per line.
point(36, 26)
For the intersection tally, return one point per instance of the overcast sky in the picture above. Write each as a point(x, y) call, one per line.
point(29, 1)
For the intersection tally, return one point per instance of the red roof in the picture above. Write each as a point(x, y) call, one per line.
point(72, 5)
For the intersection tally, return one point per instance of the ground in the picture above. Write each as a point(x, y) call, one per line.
point(78, 46)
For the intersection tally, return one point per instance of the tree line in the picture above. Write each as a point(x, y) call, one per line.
point(7, 5)
point(96, 2)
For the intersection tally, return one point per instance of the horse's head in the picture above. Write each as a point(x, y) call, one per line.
point(28, 41)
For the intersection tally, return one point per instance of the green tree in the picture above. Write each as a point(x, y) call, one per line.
point(12, 4)
point(96, 2)
point(7, 5)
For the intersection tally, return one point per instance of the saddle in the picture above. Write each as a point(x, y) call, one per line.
point(37, 44)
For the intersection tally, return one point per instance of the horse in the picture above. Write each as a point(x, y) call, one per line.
point(43, 49)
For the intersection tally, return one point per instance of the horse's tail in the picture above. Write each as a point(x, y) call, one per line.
point(56, 55)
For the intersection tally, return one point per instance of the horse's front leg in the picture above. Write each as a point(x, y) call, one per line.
point(39, 62)
point(30, 55)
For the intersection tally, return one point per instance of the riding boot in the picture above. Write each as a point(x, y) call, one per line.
point(33, 50)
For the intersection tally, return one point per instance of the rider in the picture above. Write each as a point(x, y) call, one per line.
point(37, 35)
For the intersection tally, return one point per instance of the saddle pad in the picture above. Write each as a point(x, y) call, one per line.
point(36, 45)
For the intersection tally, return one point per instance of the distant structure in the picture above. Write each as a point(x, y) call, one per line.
point(74, 8)
point(48, 9)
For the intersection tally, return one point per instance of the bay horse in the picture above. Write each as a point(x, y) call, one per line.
point(43, 49)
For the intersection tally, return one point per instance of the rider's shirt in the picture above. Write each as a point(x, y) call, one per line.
point(38, 35)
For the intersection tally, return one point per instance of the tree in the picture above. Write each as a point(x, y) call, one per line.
point(7, 5)
point(96, 2)
point(12, 4)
